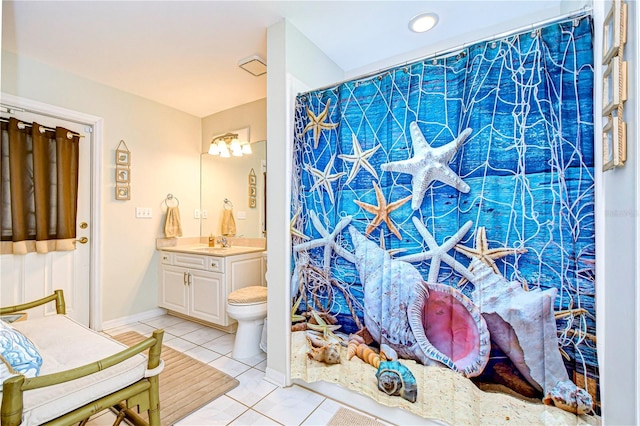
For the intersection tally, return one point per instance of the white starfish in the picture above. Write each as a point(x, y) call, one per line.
point(328, 240)
point(323, 178)
point(429, 164)
point(439, 254)
point(359, 158)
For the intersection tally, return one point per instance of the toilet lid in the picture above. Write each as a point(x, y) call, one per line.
point(248, 295)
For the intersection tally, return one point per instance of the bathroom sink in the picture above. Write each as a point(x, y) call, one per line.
point(226, 251)
point(213, 249)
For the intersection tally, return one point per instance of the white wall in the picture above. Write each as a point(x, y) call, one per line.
point(293, 62)
point(617, 267)
point(165, 158)
point(252, 115)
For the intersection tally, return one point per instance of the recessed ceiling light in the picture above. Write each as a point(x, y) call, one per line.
point(423, 22)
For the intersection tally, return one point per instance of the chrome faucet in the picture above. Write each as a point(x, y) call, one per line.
point(224, 242)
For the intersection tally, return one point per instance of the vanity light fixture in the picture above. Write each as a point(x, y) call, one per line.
point(227, 145)
point(423, 22)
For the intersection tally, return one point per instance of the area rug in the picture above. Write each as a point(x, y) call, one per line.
point(186, 384)
point(351, 418)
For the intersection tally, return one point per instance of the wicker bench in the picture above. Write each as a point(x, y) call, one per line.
point(82, 373)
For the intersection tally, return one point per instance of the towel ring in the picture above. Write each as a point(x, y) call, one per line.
point(228, 205)
point(170, 197)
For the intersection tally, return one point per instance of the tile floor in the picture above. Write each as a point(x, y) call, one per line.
point(254, 401)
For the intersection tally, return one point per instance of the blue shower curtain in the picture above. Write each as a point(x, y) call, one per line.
point(443, 231)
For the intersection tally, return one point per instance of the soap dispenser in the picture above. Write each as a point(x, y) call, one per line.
point(212, 241)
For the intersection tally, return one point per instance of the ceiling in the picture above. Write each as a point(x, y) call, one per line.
point(185, 54)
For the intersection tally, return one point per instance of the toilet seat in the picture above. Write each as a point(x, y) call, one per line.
point(252, 295)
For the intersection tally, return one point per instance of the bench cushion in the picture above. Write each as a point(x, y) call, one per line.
point(65, 344)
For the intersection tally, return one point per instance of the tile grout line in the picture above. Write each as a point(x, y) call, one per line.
point(314, 410)
point(250, 408)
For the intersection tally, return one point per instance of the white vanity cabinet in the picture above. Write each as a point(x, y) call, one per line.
point(197, 285)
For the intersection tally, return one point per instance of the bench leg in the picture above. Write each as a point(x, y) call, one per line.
point(119, 418)
point(154, 402)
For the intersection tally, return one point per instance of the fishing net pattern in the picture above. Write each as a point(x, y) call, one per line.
point(528, 162)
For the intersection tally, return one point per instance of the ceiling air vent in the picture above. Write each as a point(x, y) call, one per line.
point(254, 65)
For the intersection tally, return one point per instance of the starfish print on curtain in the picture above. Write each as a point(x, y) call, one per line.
point(482, 252)
point(318, 123)
point(325, 178)
point(327, 240)
point(429, 164)
point(439, 254)
point(359, 158)
point(382, 211)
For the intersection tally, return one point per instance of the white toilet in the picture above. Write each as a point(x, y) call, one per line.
point(248, 306)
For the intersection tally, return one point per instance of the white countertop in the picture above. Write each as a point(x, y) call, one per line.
point(204, 250)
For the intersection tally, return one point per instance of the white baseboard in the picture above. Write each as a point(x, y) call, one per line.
point(275, 377)
point(133, 318)
point(367, 405)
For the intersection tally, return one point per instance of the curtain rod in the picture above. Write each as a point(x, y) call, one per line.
point(576, 14)
point(22, 125)
point(10, 109)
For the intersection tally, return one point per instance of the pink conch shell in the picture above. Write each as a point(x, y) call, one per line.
point(449, 321)
point(523, 325)
point(429, 323)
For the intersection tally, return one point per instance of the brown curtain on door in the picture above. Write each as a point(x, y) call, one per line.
point(39, 188)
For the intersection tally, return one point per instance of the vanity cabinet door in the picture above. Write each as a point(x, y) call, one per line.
point(173, 292)
point(206, 294)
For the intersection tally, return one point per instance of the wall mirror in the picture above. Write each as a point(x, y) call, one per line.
point(228, 178)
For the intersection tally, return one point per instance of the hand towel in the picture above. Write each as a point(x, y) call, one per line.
point(172, 225)
point(228, 223)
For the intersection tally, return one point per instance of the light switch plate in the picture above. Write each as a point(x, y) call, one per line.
point(144, 212)
point(196, 214)
point(242, 215)
point(203, 214)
